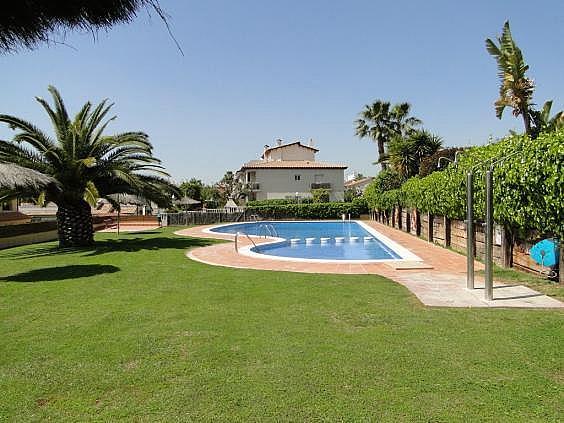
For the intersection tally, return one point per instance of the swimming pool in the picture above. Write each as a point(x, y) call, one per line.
point(330, 241)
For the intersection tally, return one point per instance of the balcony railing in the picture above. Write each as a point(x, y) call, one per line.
point(317, 185)
point(255, 186)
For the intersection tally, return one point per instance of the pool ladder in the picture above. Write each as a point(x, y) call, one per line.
point(268, 227)
point(237, 234)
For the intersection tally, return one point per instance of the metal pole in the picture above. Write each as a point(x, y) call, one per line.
point(488, 291)
point(469, 231)
point(119, 210)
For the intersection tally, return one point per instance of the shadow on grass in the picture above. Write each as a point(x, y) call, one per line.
point(146, 244)
point(129, 243)
point(61, 273)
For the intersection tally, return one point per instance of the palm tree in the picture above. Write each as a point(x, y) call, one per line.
point(85, 164)
point(407, 153)
point(380, 121)
point(515, 90)
point(543, 122)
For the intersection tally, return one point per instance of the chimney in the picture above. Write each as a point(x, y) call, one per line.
point(278, 142)
point(310, 142)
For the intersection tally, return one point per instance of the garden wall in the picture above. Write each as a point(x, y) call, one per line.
point(27, 233)
point(35, 232)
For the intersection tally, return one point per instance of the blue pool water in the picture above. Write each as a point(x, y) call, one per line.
point(349, 249)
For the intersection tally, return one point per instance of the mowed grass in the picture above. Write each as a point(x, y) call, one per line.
point(134, 330)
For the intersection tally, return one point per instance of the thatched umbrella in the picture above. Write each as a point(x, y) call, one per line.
point(119, 199)
point(26, 23)
point(21, 180)
point(187, 202)
point(129, 199)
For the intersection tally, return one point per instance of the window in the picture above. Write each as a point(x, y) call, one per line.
point(297, 177)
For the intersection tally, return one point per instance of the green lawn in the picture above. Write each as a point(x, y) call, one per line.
point(134, 330)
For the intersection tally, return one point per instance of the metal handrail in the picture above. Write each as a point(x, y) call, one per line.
point(237, 238)
point(268, 227)
point(273, 229)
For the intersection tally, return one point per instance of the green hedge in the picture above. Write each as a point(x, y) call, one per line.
point(279, 202)
point(528, 187)
point(332, 210)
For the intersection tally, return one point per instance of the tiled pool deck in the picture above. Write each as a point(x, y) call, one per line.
point(440, 280)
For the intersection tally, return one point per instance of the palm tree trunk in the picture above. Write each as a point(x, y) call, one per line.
point(381, 153)
point(74, 224)
point(527, 121)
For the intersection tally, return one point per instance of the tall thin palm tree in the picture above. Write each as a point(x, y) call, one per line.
point(381, 121)
point(516, 89)
point(85, 163)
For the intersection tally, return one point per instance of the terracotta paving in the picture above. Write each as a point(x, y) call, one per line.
point(439, 280)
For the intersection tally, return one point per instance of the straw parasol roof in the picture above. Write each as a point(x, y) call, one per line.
point(136, 200)
point(25, 23)
point(186, 201)
point(20, 179)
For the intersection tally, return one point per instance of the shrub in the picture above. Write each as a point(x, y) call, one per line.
point(528, 185)
point(278, 201)
point(320, 195)
point(332, 210)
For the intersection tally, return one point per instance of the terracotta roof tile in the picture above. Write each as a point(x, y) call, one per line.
point(291, 164)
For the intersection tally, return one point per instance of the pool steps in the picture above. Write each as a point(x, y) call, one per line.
point(324, 240)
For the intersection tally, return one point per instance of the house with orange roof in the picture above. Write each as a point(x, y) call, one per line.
point(290, 171)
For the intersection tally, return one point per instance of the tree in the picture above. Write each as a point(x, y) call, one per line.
point(352, 193)
point(85, 163)
point(27, 23)
point(192, 189)
point(380, 121)
point(231, 188)
point(407, 153)
point(516, 89)
point(211, 196)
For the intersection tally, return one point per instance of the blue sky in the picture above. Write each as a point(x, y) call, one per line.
point(254, 71)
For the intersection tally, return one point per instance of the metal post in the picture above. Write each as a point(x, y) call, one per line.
point(469, 231)
point(119, 209)
point(488, 291)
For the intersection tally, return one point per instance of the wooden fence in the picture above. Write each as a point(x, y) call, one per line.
point(451, 233)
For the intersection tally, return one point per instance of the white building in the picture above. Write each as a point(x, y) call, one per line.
point(359, 185)
point(290, 171)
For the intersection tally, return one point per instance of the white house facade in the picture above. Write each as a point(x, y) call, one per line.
point(290, 171)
